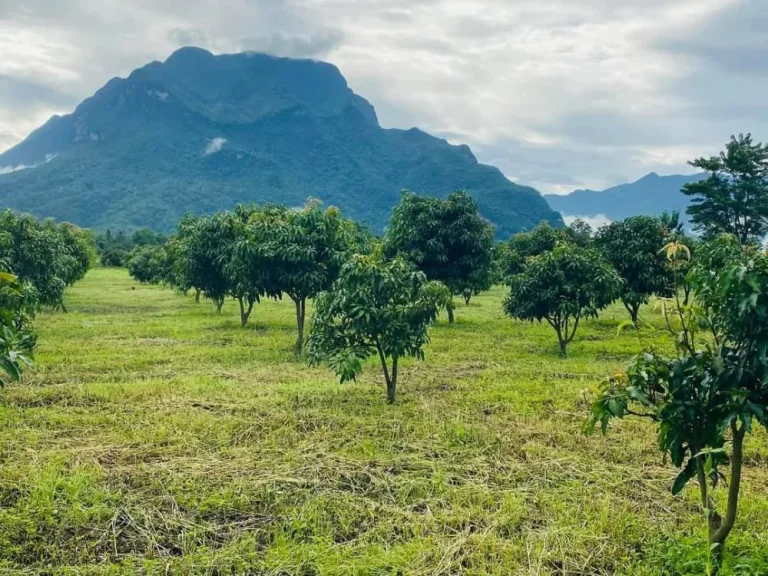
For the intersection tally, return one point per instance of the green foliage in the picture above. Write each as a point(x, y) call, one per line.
point(17, 341)
point(734, 199)
point(716, 388)
point(523, 245)
point(250, 270)
point(447, 239)
point(375, 307)
point(48, 256)
point(304, 250)
point(200, 252)
point(149, 264)
point(115, 249)
point(562, 286)
point(580, 232)
point(634, 247)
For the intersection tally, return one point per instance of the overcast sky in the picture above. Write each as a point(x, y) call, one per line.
point(559, 94)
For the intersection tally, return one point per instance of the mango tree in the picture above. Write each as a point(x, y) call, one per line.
point(303, 250)
point(634, 247)
point(17, 340)
point(376, 307)
point(513, 254)
point(200, 251)
point(251, 272)
point(447, 239)
point(562, 287)
point(45, 255)
point(714, 391)
point(148, 263)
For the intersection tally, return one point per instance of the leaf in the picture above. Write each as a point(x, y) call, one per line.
point(684, 477)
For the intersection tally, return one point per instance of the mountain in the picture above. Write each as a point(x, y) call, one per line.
point(651, 195)
point(202, 133)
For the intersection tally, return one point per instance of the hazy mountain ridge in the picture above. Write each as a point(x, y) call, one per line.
point(201, 133)
point(651, 195)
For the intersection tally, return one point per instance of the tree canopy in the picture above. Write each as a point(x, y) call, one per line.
point(47, 255)
point(562, 286)
point(734, 199)
point(447, 239)
point(375, 307)
point(304, 250)
point(634, 247)
point(523, 245)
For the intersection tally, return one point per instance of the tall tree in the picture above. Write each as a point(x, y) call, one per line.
point(734, 199)
point(634, 247)
point(375, 307)
point(563, 286)
point(447, 239)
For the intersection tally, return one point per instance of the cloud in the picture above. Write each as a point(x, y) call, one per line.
point(559, 94)
point(595, 222)
point(279, 44)
point(214, 146)
point(16, 168)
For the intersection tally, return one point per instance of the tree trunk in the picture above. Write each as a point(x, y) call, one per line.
point(245, 312)
point(392, 382)
point(719, 527)
point(633, 310)
point(467, 298)
point(197, 296)
point(563, 348)
point(450, 312)
point(219, 304)
point(722, 527)
point(301, 306)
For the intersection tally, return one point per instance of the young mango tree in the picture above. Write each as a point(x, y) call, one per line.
point(148, 264)
point(303, 251)
point(251, 273)
point(200, 250)
point(376, 307)
point(447, 239)
point(562, 287)
point(714, 391)
point(634, 247)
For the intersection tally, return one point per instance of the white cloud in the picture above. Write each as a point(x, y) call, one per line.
point(560, 94)
point(214, 146)
point(595, 222)
point(9, 169)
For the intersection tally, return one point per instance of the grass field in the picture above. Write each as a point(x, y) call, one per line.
point(157, 437)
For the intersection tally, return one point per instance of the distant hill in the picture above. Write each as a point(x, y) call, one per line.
point(651, 195)
point(201, 133)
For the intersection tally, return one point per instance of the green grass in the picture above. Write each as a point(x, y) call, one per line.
point(157, 437)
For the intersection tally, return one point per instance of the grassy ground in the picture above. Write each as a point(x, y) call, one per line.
point(157, 437)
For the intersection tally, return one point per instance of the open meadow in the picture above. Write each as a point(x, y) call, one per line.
point(158, 437)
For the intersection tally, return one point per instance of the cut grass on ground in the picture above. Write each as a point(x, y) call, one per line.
point(157, 437)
